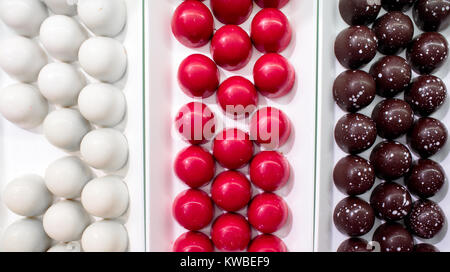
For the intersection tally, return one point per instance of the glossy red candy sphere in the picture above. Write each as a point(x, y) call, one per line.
point(193, 209)
point(233, 148)
point(271, 3)
point(231, 47)
point(231, 191)
point(267, 243)
point(271, 31)
point(232, 12)
point(271, 127)
point(195, 166)
point(196, 123)
point(268, 213)
point(231, 232)
point(198, 76)
point(269, 170)
point(273, 75)
point(237, 96)
point(193, 242)
point(192, 24)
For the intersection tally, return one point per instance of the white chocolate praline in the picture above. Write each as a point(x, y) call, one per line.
point(23, 105)
point(102, 104)
point(61, 83)
point(65, 128)
point(27, 196)
point(105, 236)
point(22, 58)
point(105, 197)
point(66, 247)
point(103, 58)
point(62, 36)
point(105, 149)
point(103, 17)
point(67, 177)
point(25, 235)
point(65, 221)
point(23, 16)
point(64, 7)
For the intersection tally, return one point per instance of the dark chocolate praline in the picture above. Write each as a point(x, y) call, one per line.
point(426, 178)
point(426, 94)
point(357, 12)
point(354, 90)
point(355, 133)
point(425, 248)
point(391, 160)
point(391, 201)
point(354, 175)
point(394, 118)
point(394, 31)
point(397, 5)
point(393, 237)
point(354, 217)
point(427, 52)
point(432, 15)
point(427, 137)
point(426, 219)
point(353, 245)
point(355, 46)
point(392, 75)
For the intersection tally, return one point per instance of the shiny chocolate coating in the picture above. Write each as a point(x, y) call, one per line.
point(426, 94)
point(355, 46)
point(357, 12)
point(426, 219)
point(392, 75)
point(394, 31)
point(432, 15)
point(427, 137)
point(354, 217)
point(355, 133)
point(394, 118)
point(354, 175)
point(391, 160)
point(425, 248)
point(397, 5)
point(354, 90)
point(354, 245)
point(427, 53)
point(391, 201)
point(426, 178)
point(393, 237)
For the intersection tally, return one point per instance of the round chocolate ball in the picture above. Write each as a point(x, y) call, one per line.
point(394, 118)
point(427, 52)
point(426, 178)
point(425, 248)
point(394, 31)
point(397, 5)
point(355, 46)
point(354, 245)
point(392, 75)
point(391, 160)
point(357, 12)
point(354, 175)
point(354, 90)
point(354, 217)
point(393, 237)
point(432, 15)
point(426, 219)
point(426, 94)
point(391, 201)
point(355, 133)
point(427, 137)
